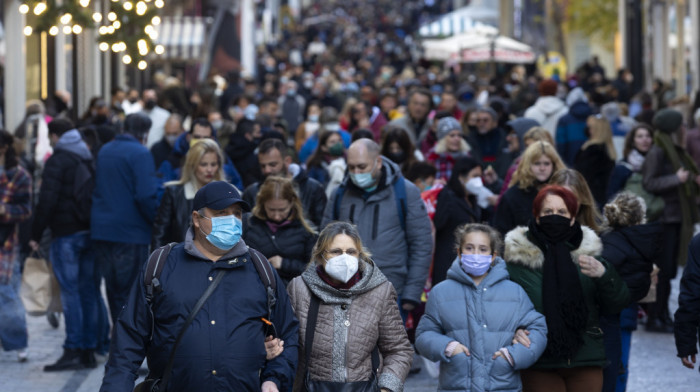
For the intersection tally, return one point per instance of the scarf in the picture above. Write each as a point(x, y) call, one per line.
point(339, 286)
point(274, 226)
point(635, 159)
point(565, 309)
point(687, 193)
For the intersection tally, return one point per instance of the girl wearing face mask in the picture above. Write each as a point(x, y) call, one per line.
point(456, 205)
point(277, 228)
point(357, 314)
point(539, 161)
point(471, 319)
point(203, 164)
point(555, 260)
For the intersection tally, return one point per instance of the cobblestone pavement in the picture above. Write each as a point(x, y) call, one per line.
point(654, 366)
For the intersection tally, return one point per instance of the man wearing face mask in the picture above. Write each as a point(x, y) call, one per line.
point(157, 114)
point(162, 149)
point(394, 227)
point(275, 160)
point(292, 105)
point(223, 349)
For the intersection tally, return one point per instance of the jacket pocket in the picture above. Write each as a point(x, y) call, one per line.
point(456, 374)
point(502, 376)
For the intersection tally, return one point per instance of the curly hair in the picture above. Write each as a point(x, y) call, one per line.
point(626, 209)
point(495, 239)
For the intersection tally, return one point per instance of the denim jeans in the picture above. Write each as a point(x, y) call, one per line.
point(119, 264)
point(13, 325)
point(73, 263)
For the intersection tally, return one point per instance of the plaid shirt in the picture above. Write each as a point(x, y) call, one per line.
point(15, 196)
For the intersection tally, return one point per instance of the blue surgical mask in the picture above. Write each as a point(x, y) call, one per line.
point(363, 180)
point(475, 265)
point(225, 231)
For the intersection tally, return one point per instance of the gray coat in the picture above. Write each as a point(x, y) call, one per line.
point(350, 324)
point(484, 319)
point(407, 124)
point(403, 257)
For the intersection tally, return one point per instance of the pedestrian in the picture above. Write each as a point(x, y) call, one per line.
point(571, 127)
point(390, 217)
point(67, 214)
point(686, 327)
point(348, 318)
point(637, 144)
point(416, 123)
point(475, 312)
point(668, 171)
point(15, 207)
point(588, 212)
point(278, 228)
point(223, 348)
point(489, 144)
point(123, 209)
point(555, 259)
point(450, 147)
point(203, 164)
point(163, 149)
point(397, 146)
point(596, 159)
point(548, 108)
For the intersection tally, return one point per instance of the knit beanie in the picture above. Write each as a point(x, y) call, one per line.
point(447, 125)
point(667, 120)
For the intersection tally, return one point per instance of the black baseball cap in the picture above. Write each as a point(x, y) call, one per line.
point(218, 195)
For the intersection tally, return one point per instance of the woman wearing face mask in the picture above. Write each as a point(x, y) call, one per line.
point(588, 213)
point(457, 204)
point(278, 230)
point(596, 159)
point(471, 318)
point(203, 164)
point(450, 147)
point(638, 142)
point(397, 146)
point(330, 149)
point(347, 315)
point(554, 259)
point(538, 163)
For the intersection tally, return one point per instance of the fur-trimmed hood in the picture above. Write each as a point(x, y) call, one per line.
point(520, 250)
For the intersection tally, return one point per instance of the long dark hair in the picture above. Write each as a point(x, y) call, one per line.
point(461, 168)
point(395, 134)
point(317, 157)
point(6, 139)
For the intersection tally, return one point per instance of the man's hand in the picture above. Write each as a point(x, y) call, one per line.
point(269, 386)
point(521, 336)
point(274, 347)
point(34, 245)
point(590, 266)
point(688, 361)
point(276, 261)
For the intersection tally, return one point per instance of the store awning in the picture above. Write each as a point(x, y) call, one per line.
point(183, 37)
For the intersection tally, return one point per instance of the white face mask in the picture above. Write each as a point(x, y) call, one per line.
point(342, 267)
point(476, 187)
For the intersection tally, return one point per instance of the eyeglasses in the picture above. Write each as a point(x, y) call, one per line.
point(338, 252)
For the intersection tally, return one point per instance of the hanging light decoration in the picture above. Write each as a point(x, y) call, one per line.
point(53, 16)
point(27, 30)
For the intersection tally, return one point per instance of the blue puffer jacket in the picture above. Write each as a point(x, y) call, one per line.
point(484, 319)
point(223, 349)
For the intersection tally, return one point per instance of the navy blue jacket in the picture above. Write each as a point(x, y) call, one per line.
point(687, 324)
point(571, 132)
point(223, 349)
point(124, 203)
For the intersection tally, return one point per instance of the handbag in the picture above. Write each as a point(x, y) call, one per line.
point(40, 292)
point(310, 385)
point(161, 384)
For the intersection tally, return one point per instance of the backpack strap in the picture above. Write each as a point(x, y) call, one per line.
point(401, 204)
point(339, 192)
point(156, 262)
point(267, 275)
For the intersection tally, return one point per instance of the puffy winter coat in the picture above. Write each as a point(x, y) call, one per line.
point(484, 319)
point(350, 324)
point(607, 294)
point(404, 257)
point(292, 242)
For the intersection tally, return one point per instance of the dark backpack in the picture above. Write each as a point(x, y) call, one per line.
point(157, 260)
point(83, 186)
point(399, 194)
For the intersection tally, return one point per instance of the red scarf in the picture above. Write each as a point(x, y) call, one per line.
point(340, 286)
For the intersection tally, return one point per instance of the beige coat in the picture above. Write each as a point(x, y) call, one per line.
point(349, 325)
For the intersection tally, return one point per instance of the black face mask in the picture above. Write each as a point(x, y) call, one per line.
point(150, 104)
point(555, 227)
point(397, 157)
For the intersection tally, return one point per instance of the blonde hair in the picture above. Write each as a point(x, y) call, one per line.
point(601, 133)
point(523, 174)
point(588, 214)
point(537, 134)
point(441, 146)
point(626, 209)
point(192, 159)
point(276, 187)
point(330, 232)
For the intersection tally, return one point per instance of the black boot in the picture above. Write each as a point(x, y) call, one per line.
point(87, 357)
point(657, 325)
point(70, 360)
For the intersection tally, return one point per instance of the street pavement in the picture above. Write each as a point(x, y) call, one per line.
point(654, 366)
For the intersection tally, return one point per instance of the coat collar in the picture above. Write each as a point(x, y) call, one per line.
point(521, 250)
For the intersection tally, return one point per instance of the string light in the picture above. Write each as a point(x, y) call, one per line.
point(77, 29)
point(66, 18)
point(112, 16)
point(104, 46)
point(156, 20)
point(159, 49)
point(53, 30)
point(84, 3)
point(142, 65)
point(159, 3)
point(143, 47)
point(128, 6)
point(23, 9)
point(126, 59)
point(67, 30)
point(28, 30)
point(117, 24)
point(39, 8)
point(97, 17)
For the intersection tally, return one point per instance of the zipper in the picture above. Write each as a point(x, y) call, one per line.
point(346, 323)
point(376, 221)
point(352, 214)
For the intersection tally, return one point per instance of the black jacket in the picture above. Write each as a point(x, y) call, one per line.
point(514, 209)
point(494, 141)
point(223, 349)
point(311, 192)
point(687, 319)
point(57, 208)
point(242, 154)
point(161, 151)
point(632, 250)
point(292, 242)
point(596, 167)
point(174, 217)
point(452, 211)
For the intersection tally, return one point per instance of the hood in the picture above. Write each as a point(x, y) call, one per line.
point(520, 126)
point(549, 105)
point(71, 141)
point(520, 250)
point(646, 238)
point(576, 95)
point(181, 145)
point(580, 110)
point(371, 278)
point(496, 274)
